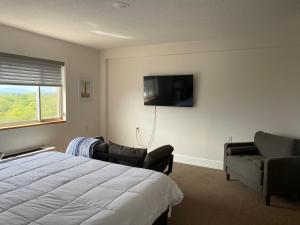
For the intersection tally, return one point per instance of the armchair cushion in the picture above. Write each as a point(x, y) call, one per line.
point(256, 161)
point(247, 168)
point(271, 145)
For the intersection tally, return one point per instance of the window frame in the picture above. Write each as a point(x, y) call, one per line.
point(32, 124)
point(60, 112)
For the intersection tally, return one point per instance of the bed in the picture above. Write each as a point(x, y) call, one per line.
point(57, 188)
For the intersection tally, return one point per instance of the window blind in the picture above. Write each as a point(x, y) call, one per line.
point(23, 70)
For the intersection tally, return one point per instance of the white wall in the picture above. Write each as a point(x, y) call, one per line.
point(82, 117)
point(242, 85)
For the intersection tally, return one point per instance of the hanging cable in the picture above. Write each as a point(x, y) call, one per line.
point(137, 135)
point(152, 136)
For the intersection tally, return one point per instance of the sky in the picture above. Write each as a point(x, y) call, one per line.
point(24, 89)
point(12, 87)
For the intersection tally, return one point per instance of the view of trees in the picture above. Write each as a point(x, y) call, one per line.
point(15, 107)
point(49, 104)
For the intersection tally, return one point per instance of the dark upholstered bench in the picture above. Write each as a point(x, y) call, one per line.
point(160, 159)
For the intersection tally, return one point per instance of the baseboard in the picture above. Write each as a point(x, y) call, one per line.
point(26, 153)
point(197, 161)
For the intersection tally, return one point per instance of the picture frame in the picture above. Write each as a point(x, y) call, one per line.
point(85, 88)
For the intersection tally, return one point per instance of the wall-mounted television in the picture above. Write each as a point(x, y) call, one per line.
point(168, 90)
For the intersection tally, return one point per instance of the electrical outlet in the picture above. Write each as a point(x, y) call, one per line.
point(230, 139)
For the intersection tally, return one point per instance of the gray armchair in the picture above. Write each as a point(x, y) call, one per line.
point(270, 164)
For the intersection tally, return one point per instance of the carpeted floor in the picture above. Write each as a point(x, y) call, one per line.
point(211, 200)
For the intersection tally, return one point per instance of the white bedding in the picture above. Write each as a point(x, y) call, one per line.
point(54, 188)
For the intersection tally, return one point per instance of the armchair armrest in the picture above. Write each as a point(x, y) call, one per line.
point(237, 144)
point(281, 175)
point(242, 150)
point(234, 144)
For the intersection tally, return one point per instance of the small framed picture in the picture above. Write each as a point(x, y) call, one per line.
point(85, 89)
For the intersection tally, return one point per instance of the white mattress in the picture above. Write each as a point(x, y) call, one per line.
point(54, 188)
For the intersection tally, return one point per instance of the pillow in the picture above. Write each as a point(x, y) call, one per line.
point(100, 149)
point(127, 155)
point(100, 146)
point(271, 145)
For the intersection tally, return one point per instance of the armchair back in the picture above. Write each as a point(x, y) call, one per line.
point(271, 145)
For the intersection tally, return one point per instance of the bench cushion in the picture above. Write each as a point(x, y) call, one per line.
point(127, 155)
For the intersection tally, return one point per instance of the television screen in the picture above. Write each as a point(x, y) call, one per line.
point(175, 90)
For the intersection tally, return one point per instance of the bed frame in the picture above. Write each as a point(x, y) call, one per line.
point(163, 219)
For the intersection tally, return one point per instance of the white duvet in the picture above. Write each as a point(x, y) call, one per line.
point(54, 188)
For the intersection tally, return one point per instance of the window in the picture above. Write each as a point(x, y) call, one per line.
point(31, 91)
point(50, 102)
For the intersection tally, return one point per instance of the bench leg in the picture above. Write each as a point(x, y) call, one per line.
point(227, 176)
point(268, 200)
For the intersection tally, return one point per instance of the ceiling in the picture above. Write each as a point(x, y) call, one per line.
point(97, 24)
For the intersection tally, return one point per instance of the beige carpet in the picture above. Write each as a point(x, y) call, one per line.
point(211, 200)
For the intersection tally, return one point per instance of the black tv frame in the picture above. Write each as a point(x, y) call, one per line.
point(191, 104)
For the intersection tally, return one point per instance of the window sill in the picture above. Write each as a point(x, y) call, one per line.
point(31, 124)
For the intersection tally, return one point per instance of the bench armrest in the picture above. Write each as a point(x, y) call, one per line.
point(159, 159)
point(281, 175)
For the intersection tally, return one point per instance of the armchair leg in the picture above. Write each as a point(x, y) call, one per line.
point(227, 176)
point(268, 200)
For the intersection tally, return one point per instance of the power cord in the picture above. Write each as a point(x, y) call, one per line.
point(152, 136)
point(138, 140)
